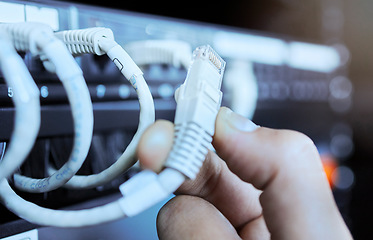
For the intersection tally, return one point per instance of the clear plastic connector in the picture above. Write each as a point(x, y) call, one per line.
point(207, 53)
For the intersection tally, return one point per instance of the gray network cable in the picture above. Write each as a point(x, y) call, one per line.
point(198, 102)
point(27, 107)
point(101, 41)
point(39, 40)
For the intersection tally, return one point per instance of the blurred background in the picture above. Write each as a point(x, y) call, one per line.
point(333, 104)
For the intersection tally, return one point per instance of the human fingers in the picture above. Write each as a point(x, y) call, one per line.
point(189, 217)
point(236, 199)
point(155, 144)
point(297, 201)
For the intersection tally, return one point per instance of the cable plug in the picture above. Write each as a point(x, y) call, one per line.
point(87, 40)
point(29, 36)
point(14, 69)
point(99, 40)
point(39, 39)
point(198, 102)
point(147, 188)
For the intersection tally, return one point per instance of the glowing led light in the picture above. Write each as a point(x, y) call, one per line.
point(166, 90)
point(100, 91)
point(343, 178)
point(44, 91)
point(124, 91)
point(330, 165)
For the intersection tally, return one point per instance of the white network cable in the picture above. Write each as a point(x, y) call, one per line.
point(241, 87)
point(173, 52)
point(40, 40)
point(27, 107)
point(100, 41)
point(198, 102)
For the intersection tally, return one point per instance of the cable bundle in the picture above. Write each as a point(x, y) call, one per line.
point(40, 40)
point(99, 41)
point(198, 101)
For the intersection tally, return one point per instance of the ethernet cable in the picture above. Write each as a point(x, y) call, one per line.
point(198, 102)
point(27, 107)
point(241, 88)
point(40, 40)
point(172, 52)
point(101, 41)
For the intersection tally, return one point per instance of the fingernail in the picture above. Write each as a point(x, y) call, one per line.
point(239, 122)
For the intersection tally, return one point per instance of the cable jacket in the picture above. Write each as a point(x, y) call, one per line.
point(27, 107)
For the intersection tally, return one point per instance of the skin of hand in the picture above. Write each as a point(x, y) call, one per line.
point(261, 183)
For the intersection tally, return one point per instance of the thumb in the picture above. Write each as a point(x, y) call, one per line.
point(286, 166)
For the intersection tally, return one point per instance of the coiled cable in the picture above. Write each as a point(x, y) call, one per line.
point(198, 100)
point(100, 41)
point(40, 40)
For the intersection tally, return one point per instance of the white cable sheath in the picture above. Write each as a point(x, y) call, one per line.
point(241, 88)
point(99, 41)
point(128, 157)
point(27, 107)
point(165, 184)
point(58, 218)
point(40, 40)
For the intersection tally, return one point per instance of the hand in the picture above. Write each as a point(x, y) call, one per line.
point(270, 184)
